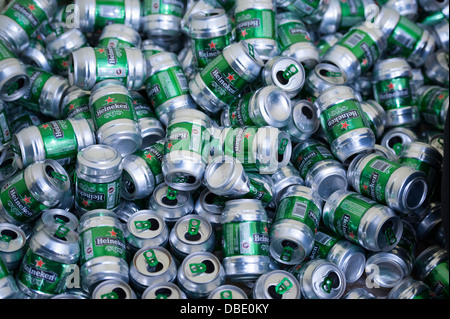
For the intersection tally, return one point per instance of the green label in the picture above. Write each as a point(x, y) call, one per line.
point(303, 7)
point(115, 43)
point(205, 50)
point(18, 201)
point(431, 105)
point(143, 110)
point(167, 7)
point(342, 118)
point(239, 143)
point(393, 93)
point(430, 172)
point(4, 272)
point(61, 65)
point(362, 46)
point(78, 108)
point(112, 107)
point(38, 78)
point(153, 156)
point(112, 63)
point(186, 136)
point(292, 32)
point(255, 23)
point(222, 80)
point(102, 241)
point(438, 281)
point(5, 131)
point(42, 274)
point(348, 214)
point(92, 196)
point(245, 239)
point(165, 85)
point(59, 139)
point(352, 12)
point(109, 12)
point(404, 38)
point(309, 156)
point(5, 53)
point(258, 191)
point(375, 176)
point(300, 209)
point(408, 240)
point(238, 114)
point(323, 241)
point(26, 13)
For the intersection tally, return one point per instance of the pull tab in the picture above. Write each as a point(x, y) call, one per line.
point(290, 71)
point(390, 236)
point(5, 238)
point(332, 74)
point(251, 50)
point(286, 254)
point(161, 296)
point(59, 176)
point(327, 285)
point(142, 224)
point(226, 294)
point(284, 285)
point(60, 221)
point(197, 269)
point(398, 148)
point(62, 231)
point(110, 295)
point(150, 257)
point(171, 193)
point(193, 226)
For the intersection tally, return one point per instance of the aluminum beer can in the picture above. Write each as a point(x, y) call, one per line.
point(319, 168)
point(150, 265)
point(95, 15)
point(163, 290)
point(245, 239)
point(349, 257)
point(269, 105)
point(20, 117)
point(392, 89)
point(126, 209)
point(119, 36)
point(75, 104)
point(36, 55)
point(309, 11)
point(362, 221)
point(47, 263)
point(190, 234)
point(431, 267)
point(103, 249)
point(402, 188)
point(432, 101)
point(45, 92)
point(13, 245)
point(186, 149)
point(5, 132)
point(161, 19)
point(285, 72)
point(295, 225)
point(321, 279)
point(322, 77)
point(166, 85)
point(303, 122)
point(429, 228)
point(60, 140)
point(142, 171)
point(56, 216)
point(326, 41)
point(408, 8)
point(114, 117)
point(149, 47)
point(210, 206)
point(395, 138)
point(98, 178)
point(376, 116)
point(192, 7)
point(14, 81)
point(88, 66)
point(113, 289)
point(40, 186)
point(348, 53)
point(199, 274)
point(436, 68)
point(294, 40)
point(410, 288)
point(20, 19)
point(388, 268)
point(210, 33)
point(282, 179)
point(440, 32)
point(220, 82)
point(171, 204)
point(346, 127)
point(8, 165)
point(227, 292)
point(8, 286)
point(276, 284)
point(358, 293)
point(256, 24)
point(145, 228)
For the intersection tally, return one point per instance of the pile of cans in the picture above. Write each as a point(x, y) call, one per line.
point(223, 149)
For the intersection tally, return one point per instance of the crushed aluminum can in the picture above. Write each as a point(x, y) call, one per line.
point(395, 138)
point(56, 216)
point(285, 72)
point(113, 289)
point(282, 179)
point(432, 101)
point(8, 165)
point(303, 122)
point(276, 284)
point(36, 55)
point(192, 8)
point(163, 290)
point(209, 206)
point(410, 288)
point(75, 104)
point(14, 81)
point(13, 245)
point(376, 116)
point(309, 11)
point(119, 36)
point(322, 77)
point(227, 292)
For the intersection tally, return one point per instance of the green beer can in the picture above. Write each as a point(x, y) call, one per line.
point(14, 79)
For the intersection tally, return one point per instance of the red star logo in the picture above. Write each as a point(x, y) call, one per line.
point(364, 62)
point(212, 45)
point(109, 100)
point(351, 235)
point(6, 132)
point(71, 106)
point(134, 102)
point(169, 145)
point(148, 156)
point(344, 125)
point(113, 233)
point(247, 135)
point(26, 199)
point(365, 187)
point(440, 97)
point(101, 50)
point(299, 159)
point(39, 263)
point(233, 115)
point(65, 64)
point(230, 77)
point(243, 33)
point(31, 7)
point(45, 126)
point(307, 37)
point(309, 99)
point(391, 86)
point(85, 203)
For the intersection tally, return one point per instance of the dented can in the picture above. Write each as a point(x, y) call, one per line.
point(376, 116)
point(432, 101)
point(285, 72)
point(14, 81)
point(276, 284)
point(56, 216)
point(283, 179)
point(395, 138)
point(8, 286)
point(119, 36)
point(303, 122)
point(309, 11)
point(342, 15)
point(162, 19)
point(322, 77)
point(75, 104)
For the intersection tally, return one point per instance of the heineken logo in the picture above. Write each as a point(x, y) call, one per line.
point(314, 251)
point(224, 82)
point(155, 89)
point(27, 12)
point(57, 130)
point(33, 271)
point(305, 160)
point(295, 31)
point(112, 107)
point(260, 238)
point(96, 197)
point(331, 123)
point(154, 152)
point(111, 56)
point(345, 226)
point(33, 77)
point(207, 54)
point(109, 241)
point(17, 202)
point(372, 184)
point(314, 218)
point(81, 109)
point(179, 136)
point(252, 23)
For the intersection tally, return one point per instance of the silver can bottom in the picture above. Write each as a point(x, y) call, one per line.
point(245, 268)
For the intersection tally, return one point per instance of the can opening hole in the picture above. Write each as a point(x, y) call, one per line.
point(288, 243)
point(395, 140)
point(307, 112)
point(271, 290)
point(158, 267)
point(65, 219)
point(129, 186)
point(416, 194)
point(209, 199)
point(191, 179)
point(49, 170)
point(163, 292)
point(190, 237)
point(121, 294)
point(383, 242)
point(154, 223)
point(169, 202)
point(281, 78)
point(6, 163)
point(209, 266)
point(336, 282)
point(10, 233)
point(15, 86)
point(63, 238)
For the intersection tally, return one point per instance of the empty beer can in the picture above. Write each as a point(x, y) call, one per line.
point(56, 216)
point(285, 72)
point(113, 289)
point(14, 81)
point(163, 290)
point(227, 292)
point(119, 36)
point(410, 288)
point(322, 77)
point(13, 245)
point(395, 138)
point(303, 122)
point(8, 286)
point(276, 284)
point(162, 20)
point(432, 101)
